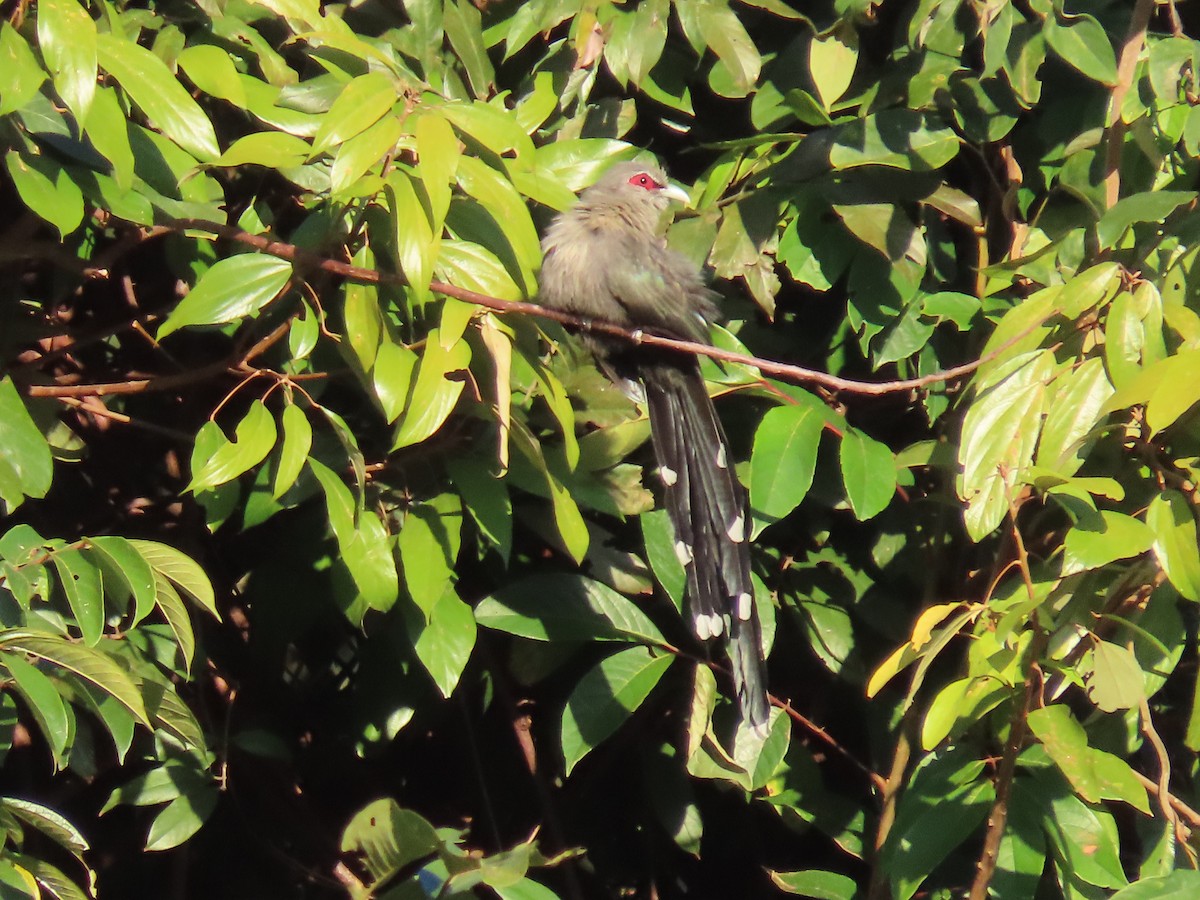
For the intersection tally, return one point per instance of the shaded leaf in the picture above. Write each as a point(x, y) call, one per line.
point(565, 608)
point(605, 697)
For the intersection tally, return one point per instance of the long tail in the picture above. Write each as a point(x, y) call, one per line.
point(707, 506)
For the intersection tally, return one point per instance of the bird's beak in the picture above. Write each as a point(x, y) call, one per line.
point(674, 192)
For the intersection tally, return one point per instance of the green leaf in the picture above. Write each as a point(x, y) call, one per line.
point(959, 704)
point(182, 570)
point(173, 716)
point(898, 138)
point(462, 21)
point(161, 784)
point(672, 799)
point(171, 605)
point(368, 557)
point(119, 722)
point(17, 883)
point(816, 883)
point(235, 287)
point(1000, 431)
point(493, 127)
point(525, 889)
point(48, 822)
point(1094, 774)
point(1182, 884)
point(1167, 388)
point(727, 38)
point(1073, 409)
point(304, 332)
point(1149, 206)
point(361, 314)
point(445, 642)
point(831, 63)
point(416, 244)
point(211, 69)
point(26, 464)
point(1081, 42)
point(1084, 837)
point(437, 162)
point(274, 149)
point(255, 437)
point(487, 498)
point(361, 104)
point(181, 818)
point(428, 544)
point(47, 189)
point(783, 462)
point(1098, 539)
point(8, 723)
point(434, 394)
point(361, 152)
point(20, 73)
point(659, 537)
point(293, 452)
point(1116, 680)
point(868, 473)
point(605, 697)
point(164, 101)
point(498, 196)
point(87, 663)
point(1172, 521)
point(565, 608)
point(392, 377)
point(108, 129)
point(81, 583)
point(67, 37)
point(636, 40)
point(387, 838)
point(475, 268)
point(944, 803)
point(42, 699)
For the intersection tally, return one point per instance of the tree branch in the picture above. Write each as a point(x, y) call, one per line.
point(798, 374)
point(1131, 49)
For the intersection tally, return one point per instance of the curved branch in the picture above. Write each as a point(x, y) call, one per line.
point(784, 371)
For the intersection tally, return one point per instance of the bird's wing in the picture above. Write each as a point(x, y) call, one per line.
point(659, 289)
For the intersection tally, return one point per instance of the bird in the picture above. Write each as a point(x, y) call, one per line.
point(606, 259)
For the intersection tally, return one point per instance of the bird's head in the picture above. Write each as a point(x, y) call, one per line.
point(639, 190)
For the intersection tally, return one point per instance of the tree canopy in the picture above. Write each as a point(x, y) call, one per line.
point(329, 565)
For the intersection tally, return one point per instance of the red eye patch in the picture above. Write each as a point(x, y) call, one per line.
point(643, 180)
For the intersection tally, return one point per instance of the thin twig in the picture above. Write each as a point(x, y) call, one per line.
point(94, 406)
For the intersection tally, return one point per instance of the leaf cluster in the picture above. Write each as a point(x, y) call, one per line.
point(356, 587)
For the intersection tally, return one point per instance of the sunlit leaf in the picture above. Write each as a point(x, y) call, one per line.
point(234, 287)
point(155, 90)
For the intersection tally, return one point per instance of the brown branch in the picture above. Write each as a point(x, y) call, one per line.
point(890, 795)
point(1131, 49)
point(94, 406)
point(1178, 805)
point(130, 386)
point(235, 362)
point(813, 728)
point(798, 374)
point(998, 817)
